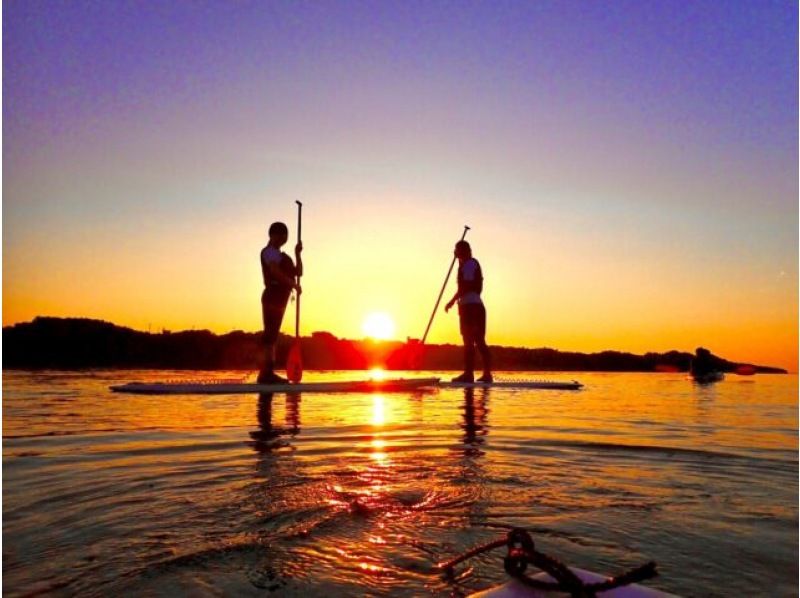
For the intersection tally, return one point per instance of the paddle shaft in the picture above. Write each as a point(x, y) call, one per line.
point(297, 304)
point(439, 299)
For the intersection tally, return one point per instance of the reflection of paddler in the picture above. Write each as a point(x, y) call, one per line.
point(474, 417)
point(280, 278)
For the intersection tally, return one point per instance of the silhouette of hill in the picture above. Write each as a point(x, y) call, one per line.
point(67, 343)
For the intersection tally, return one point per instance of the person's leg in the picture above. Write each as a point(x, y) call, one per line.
point(268, 361)
point(469, 361)
point(468, 335)
point(267, 374)
point(272, 316)
point(269, 358)
point(483, 348)
point(469, 356)
point(486, 358)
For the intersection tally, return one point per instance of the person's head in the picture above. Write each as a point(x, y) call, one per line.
point(702, 352)
point(278, 233)
point(463, 251)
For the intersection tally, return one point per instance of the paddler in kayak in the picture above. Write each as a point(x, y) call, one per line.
point(280, 278)
point(471, 313)
point(704, 368)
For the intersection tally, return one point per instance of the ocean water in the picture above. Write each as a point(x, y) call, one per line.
point(362, 494)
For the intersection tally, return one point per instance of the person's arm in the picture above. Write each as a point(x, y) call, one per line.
point(452, 301)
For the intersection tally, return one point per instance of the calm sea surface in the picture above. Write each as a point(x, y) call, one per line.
point(355, 494)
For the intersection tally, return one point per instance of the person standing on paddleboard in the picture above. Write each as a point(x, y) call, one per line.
point(280, 278)
point(471, 313)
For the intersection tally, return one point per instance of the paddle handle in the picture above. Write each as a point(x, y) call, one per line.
point(299, 220)
point(299, 238)
point(439, 299)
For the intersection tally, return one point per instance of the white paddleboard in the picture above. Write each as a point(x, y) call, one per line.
point(521, 384)
point(227, 387)
point(517, 589)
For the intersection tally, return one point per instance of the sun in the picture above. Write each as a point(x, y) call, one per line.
point(378, 325)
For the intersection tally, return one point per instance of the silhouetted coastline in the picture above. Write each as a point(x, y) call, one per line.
point(76, 343)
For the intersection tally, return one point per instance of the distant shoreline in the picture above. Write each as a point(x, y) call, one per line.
point(82, 343)
point(309, 369)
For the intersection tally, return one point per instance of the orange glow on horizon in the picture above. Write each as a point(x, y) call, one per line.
point(745, 315)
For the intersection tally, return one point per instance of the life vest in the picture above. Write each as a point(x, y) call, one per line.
point(276, 289)
point(470, 286)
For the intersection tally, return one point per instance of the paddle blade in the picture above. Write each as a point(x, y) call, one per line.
point(294, 363)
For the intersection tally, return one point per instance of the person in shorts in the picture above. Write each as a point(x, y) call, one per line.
point(472, 314)
point(280, 279)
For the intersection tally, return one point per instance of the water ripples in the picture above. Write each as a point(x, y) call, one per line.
point(364, 494)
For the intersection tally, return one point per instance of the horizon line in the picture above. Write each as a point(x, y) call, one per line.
point(408, 340)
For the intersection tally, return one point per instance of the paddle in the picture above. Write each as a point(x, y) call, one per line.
point(294, 361)
point(438, 300)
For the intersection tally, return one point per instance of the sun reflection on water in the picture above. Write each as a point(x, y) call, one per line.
point(378, 410)
point(379, 419)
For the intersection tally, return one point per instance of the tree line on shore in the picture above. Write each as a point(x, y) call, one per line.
point(76, 343)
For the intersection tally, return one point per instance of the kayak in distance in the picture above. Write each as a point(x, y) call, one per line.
point(386, 385)
point(708, 377)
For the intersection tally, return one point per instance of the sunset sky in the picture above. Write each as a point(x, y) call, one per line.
point(629, 169)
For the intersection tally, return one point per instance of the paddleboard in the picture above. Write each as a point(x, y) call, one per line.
point(228, 387)
point(517, 589)
point(540, 384)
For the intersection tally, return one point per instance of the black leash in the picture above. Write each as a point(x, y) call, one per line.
point(522, 552)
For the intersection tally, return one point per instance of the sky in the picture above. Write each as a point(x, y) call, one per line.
point(629, 169)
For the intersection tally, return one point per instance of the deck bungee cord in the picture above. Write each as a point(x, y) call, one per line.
point(522, 552)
